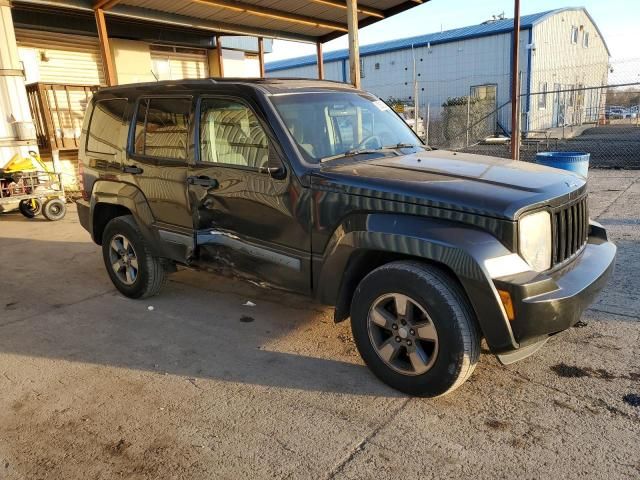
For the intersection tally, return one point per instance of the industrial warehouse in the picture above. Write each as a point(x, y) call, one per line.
point(561, 50)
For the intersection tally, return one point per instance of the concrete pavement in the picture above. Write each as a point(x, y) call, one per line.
point(94, 385)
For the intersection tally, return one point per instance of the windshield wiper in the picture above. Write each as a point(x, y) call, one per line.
point(350, 153)
point(404, 145)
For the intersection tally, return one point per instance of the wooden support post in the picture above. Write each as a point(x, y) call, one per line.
point(105, 49)
point(354, 48)
point(515, 85)
point(261, 55)
point(219, 55)
point(320, 60)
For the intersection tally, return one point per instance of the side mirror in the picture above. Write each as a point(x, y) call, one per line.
point(275, 167)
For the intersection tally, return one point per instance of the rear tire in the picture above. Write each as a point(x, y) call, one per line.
point(134, 271)
point(30, 208)
point(415, 329)
point(54, 209)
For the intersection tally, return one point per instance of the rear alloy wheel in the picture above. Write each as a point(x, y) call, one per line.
point(124, 260)
point(134, 271)
point(54, 209)
point(30, 208)
point(415, 329)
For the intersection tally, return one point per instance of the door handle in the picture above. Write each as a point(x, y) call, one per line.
point(203, 181)
point(132, 169)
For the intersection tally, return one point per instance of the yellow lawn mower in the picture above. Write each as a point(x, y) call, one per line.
point(28, 181)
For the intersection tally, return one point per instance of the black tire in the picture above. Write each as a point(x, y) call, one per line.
point(456, 349)
point(54, 209)
point(28, 209)
point(150, 274)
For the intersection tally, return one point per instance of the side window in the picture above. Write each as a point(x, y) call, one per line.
point(231, 134)
point(105, 127)
point(162, 128)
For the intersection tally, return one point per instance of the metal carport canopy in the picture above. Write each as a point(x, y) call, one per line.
point(300, 20)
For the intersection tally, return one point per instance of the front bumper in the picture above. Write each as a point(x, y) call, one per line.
point(545, 304)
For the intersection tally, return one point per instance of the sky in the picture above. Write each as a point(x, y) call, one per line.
point(618, 21)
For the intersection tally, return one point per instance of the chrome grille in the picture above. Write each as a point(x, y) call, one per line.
point(570, 228)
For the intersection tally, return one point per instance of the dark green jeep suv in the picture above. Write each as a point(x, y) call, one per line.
point(322, 189)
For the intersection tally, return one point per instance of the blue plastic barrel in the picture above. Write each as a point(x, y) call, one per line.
point(577, 162)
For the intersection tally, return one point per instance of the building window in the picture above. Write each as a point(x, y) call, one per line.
point(574, 34)
point(162, 128)
point(105, 126)
point(542, 96)
point(485, 92)
point(585, 39)
point(377, 66)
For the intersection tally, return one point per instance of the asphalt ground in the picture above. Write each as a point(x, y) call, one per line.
point(194, 384)
point(614, 146)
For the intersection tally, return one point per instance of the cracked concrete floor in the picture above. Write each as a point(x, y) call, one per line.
point(93, 385)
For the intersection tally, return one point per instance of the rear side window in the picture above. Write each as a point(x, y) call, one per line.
point(105, 127)
point(162, 128)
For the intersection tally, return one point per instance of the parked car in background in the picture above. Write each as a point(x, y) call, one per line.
point(614, 113)
point(322, 189)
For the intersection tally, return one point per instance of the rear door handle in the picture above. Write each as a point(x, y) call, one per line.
point(132, 169)
point(203, 181)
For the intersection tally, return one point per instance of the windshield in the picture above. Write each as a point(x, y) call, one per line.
point(328, 125)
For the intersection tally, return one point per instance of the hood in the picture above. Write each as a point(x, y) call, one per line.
point(478, 184)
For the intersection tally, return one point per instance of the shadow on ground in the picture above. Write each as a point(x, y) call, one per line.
point(201, 332)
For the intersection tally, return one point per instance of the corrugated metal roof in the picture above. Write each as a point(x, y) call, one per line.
point(302, 20)
point(473, 31)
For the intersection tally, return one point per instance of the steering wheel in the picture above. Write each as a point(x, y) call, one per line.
point(370, 138)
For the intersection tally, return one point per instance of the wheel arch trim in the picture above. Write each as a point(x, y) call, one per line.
point(460, 248)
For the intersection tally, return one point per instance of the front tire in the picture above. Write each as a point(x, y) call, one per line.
point(134, 271)
point(415, 329)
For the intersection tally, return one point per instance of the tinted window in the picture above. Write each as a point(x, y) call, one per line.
point(231, 134)
point(162, 127)
point(105, 127)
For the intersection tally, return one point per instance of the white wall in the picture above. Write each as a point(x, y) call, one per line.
point(444, 70)
point(562, 64)
point(238, 64)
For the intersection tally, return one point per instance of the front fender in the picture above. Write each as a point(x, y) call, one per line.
point(461, 248)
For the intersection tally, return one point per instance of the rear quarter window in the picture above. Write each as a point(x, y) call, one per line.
point(106, 127)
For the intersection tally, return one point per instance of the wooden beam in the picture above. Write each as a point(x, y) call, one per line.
point(219, 55)
point(369, 11)
point(105, 49)
point(354, 46)
point(105, 4)
point(261, 56)
point(256, 10)
point(320, 60)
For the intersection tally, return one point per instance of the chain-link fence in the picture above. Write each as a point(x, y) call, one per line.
point(602, 120)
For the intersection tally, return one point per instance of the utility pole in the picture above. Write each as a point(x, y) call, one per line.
point(416, 104)
point(515, 85)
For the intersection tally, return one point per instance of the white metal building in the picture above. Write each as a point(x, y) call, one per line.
point(560, 50)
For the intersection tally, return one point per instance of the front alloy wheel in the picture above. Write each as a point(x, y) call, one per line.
point(415, 329)
point(403, 334)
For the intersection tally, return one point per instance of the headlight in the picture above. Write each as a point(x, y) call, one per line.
point(534, 240)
